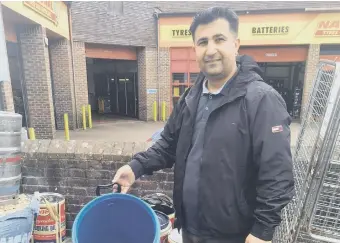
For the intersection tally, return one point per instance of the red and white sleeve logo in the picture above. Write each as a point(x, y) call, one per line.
point(277, 129)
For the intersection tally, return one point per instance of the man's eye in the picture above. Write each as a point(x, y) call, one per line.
point(203, 43)
point(219, 40)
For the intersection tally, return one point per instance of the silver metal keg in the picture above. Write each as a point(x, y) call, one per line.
point(10, 132)
point(10, 157)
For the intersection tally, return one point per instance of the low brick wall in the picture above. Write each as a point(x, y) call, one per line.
point(75, 168)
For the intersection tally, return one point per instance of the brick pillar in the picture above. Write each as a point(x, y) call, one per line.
point(147, 79)
point(62, 75)
point(310, 72)
point(37, 76)
point(81, 94)
point(6, 95)
point(164, 78)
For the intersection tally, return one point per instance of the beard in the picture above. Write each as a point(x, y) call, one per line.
point(216, 71)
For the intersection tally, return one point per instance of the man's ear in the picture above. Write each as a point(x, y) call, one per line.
point(237, 45)
point(194, 50)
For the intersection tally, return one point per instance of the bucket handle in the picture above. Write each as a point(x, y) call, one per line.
point(54, 214)
point(119, 188)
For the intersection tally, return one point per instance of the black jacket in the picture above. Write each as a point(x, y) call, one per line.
point(246, 172)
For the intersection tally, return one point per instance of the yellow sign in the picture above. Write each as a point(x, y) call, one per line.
point(270, 30)
point(180, 33)
point(172, 34)
point(328, 28)
point(45, 8)
point(53, 15)
point(257, 30)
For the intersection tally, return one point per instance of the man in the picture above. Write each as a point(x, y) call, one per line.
point(229, 139)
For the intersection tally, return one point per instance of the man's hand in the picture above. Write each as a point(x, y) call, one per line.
point(124, 177)
point(253, 239)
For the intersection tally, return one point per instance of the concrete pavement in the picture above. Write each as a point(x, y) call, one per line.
point(118, 130)
point(130, 130)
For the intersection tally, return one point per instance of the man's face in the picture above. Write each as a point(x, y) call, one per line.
point(216, 48)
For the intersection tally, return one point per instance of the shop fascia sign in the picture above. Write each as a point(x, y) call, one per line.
point(328, 28)
point(180, 33)
point(270, 30)
point(45, 8)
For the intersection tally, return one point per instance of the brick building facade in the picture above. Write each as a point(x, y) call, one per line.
point(6, 96)
point(56, 54)
point(52, 76)
point(137, 24)
point(61, 61)
point(39, 101)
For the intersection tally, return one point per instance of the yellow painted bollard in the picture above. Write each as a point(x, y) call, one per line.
point(163, 111)
point(31, 133)
point(66, 128)
point(89, 115)
point(84, 116)
point(155, 110)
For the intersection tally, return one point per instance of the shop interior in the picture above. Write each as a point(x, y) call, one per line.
point(113, 87)
point(287, 78)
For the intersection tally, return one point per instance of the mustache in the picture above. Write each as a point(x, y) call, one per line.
point(211, 58)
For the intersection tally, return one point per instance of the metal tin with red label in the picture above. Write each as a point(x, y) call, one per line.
point(50, 225)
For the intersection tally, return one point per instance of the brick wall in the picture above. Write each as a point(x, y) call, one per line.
point(80, 81)
point(62, 76)
point(310, 72)
point(142, 106)
point(75, 168)
point(37, 79)
point(147, 79)
point(102, 22)
point(6, 96)
point(164, 78)
point(151, 79)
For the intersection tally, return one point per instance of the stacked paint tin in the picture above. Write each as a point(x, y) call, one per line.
point(50, 225)
point(10, 157)
point(17, 211)
point(17, 219)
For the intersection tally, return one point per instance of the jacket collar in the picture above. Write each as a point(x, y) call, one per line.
point(224, 86)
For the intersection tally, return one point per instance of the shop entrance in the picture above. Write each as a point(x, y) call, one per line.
point(113, 87)
point(284, 69)
point(287, 78)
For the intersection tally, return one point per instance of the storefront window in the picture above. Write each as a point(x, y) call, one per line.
point(178, 90)
point(179, 78)
point(193, 77)
point(184, 71)
point(179, 84)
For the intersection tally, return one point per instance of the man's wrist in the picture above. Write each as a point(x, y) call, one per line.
point(137, 168)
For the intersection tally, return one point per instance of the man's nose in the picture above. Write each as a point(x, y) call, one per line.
point(211, 49)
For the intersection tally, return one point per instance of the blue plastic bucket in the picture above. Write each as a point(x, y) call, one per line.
point(116, 218)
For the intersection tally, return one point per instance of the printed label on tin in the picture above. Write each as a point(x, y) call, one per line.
point(46, 230)
point(62, 220)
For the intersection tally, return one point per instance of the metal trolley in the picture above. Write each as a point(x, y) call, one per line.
point(313, 216)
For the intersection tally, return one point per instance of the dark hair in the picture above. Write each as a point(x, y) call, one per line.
point(211, 14)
